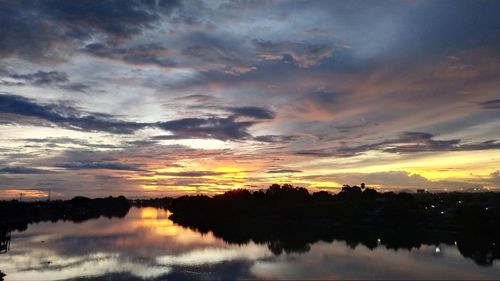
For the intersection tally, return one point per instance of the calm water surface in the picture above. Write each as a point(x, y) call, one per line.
point(146, 245)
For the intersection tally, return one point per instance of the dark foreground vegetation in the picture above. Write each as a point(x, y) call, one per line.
point(162, 203)
point(290, 219)
point(16, 215)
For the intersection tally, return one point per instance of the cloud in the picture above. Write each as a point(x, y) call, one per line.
point(419, 142)
point(34, 30)
point(115, 18)
point(23, 170)
point(301, 53)
point(253, 112)
point(10, 83)
point(223, 128)
point(174, 71)
point(99, 165)
point(191, 174)
point(275, 138)
point(196, 98)
point(283, 171)
point(171, 137)
point(423, 142)
point(55, 142)
point(316, 32)
point(45, 78)
point(408, 142)
point(210, 54)
point(42, 77)
point(490, 104)
point(66, 116)
point(149, 54)
point(395, 180)
point(76, 87)
point(495, 177)
point(213, 127)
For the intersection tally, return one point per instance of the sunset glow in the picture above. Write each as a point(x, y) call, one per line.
point(187, 97)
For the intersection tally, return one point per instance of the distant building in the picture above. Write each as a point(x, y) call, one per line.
point(421, 190)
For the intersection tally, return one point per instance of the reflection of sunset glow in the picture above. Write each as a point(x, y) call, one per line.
point(156, 223)
point(149, 213)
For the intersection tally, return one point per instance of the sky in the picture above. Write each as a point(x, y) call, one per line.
point(163, 98)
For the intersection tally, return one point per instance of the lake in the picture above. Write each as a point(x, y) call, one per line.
point(147, 245)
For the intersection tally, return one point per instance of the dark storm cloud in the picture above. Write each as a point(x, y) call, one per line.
point(32, 28)
point(409, 142)
point(99, 165)
point(22, 170)
point(253, 112)
point(66, 116)
point(223, 128)
point(23, 31)
point(491, 104)
point(213, 127)
point(113, 17)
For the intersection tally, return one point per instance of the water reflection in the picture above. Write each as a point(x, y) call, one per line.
point(147, 245)
point(4, 241)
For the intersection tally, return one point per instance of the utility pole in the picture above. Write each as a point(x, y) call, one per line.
point(49, 195)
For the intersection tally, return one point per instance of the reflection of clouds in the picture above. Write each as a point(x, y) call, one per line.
point(61, 267)
point(338, 261)
point(143, 232)
point(216, 255)
point(146, 244)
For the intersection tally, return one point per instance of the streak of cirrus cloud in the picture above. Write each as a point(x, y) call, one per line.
point(148, 98)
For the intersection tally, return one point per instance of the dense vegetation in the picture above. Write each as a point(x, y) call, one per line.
point(354, 205)
point(163, 202)
point(290, 219)
point(16, 215)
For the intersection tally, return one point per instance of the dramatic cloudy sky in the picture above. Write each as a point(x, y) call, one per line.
point(147, 98)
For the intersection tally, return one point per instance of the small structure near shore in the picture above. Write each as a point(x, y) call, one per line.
point(4, 242)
